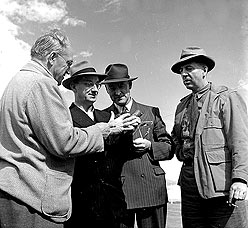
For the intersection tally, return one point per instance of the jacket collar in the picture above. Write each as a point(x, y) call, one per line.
point(37, 67)
point(213, 88)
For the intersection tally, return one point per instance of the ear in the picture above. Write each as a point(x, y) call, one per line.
point(72, 86)
point(107, 89)
point(130, 85)
point(52, 56)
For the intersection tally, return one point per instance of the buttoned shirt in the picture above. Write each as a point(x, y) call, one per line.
point(187, 135)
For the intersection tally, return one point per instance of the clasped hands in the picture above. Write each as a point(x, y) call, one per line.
point(124, 122)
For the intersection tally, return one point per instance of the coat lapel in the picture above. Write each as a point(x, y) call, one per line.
point(83, 120)
point(80, 117)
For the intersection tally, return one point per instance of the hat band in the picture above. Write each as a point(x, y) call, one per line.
point(86, 70)
point(187, 55)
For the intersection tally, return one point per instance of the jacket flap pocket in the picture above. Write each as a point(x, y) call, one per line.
point(213, 123)
point(218, 156)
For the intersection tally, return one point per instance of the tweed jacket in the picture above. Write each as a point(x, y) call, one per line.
point(143, 179)
point(96, 187)
point(37, 140)
point(221, 145)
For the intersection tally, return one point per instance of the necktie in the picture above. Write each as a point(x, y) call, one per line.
point(124, 110)
point(193, 115)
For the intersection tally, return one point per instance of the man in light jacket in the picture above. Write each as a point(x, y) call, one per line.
point(38, 141)
point(210, 132)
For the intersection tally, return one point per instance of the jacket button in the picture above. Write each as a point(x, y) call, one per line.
point(142, 175)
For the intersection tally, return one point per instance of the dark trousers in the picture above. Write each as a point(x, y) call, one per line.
point(208, 213)
point(150, 217)
point(14, 214)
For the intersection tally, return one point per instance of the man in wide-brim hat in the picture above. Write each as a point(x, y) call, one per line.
point(210, 132)
point(191, 54)
point(143, 178)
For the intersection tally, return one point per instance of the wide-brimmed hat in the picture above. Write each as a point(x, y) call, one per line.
point(117, 73)
point(190, 54)
point(81, 69)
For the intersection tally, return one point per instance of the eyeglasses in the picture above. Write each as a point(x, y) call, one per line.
point(91, 85)
point(68, 62)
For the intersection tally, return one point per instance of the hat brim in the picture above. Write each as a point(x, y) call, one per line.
point(67, 82)
point(198, 58)
point(118, 80)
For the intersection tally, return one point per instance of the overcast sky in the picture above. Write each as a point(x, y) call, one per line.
point(147, 35)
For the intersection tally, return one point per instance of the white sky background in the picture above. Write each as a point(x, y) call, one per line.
point(14, 52)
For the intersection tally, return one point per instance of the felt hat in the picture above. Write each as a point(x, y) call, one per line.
point(117, 73)
point(190, 54)
point(81, 69)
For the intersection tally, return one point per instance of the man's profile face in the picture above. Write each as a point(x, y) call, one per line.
point(61, 65)
point(194, 75)
point(119, 92)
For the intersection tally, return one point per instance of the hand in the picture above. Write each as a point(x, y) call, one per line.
point(237, 191)
point(124, 122)
point(141, 145)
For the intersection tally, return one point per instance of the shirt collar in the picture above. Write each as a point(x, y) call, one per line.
point(202, 92)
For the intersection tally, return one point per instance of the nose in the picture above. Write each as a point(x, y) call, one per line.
point(94, 88)
point(184, 74)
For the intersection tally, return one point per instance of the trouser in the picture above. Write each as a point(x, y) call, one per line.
point(15, 214)
point(150, 217)
point(208, 213)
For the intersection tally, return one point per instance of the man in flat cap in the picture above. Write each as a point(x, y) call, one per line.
point(211, 136)
point(143, 179)
point(97, 196)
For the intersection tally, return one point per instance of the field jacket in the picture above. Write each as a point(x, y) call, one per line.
point(221, 141)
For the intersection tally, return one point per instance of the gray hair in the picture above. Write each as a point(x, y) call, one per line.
point(51, 41)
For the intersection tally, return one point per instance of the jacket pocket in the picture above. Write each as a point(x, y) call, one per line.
point(56, 200)
point(220, 167)
point(213, 132)
point(158, 171)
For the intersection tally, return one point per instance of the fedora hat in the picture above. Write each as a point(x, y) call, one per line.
point(81, 69)
point(190, 54)
point(117, 73)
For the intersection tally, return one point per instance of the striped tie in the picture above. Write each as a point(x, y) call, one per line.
point(124, 110)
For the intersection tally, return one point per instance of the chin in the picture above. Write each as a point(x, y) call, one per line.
point(189, 86)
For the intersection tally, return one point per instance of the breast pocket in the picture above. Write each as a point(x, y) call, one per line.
point(213, 132)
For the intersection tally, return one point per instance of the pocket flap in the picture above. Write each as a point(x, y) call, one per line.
point(159, 171)
point(213, 123)
point(218, 156)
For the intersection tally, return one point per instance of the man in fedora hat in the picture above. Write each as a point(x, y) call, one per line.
point(143, 179)
point(97, 196)
point(210, 133)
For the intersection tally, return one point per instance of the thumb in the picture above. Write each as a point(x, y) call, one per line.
point(112, 117)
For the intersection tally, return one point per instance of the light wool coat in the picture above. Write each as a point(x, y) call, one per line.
point(38, 143)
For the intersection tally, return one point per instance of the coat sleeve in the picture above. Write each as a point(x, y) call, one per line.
point(52, 125)
point(162, 143)
point(236, 130)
